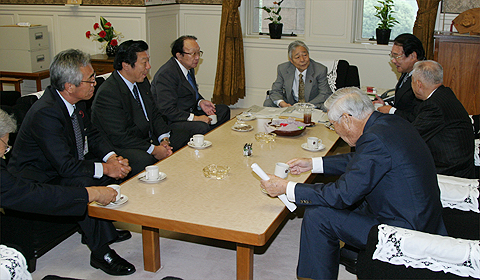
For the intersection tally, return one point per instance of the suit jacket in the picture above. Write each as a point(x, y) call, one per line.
point(445, 126)
point(45, 147)
point(174, 95)
point(317, 89)
point(116, 113)
point(391, 171)
point(20, 195)
point(405, 100)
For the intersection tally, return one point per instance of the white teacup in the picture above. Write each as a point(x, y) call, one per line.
point(117, 188)
point(281, 170)
point(151, 173)
point(313, 142)
point(213, 118)
point(197, 140)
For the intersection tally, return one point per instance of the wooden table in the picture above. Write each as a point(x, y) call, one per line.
point(37, 76)
point(102, 63)
point(233, 209)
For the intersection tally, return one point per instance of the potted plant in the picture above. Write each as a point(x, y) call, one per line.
point(387, 21)
point(275, 26)
point(106, 35)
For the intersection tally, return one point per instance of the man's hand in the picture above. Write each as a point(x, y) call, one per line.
point(102, 195)
point(162, 151)
point(202, 118)
point(384, 109)
point(300, 165)
point(275, 186)
point(284, 104)
point(208, 107)
point(116, 167)
point(378, 100)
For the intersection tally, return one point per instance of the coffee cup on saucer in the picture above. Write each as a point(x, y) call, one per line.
point(197, 140)
point(213, 118)
point(116, 188)
point(313, 143)
point(151, 173)
point(281, 170)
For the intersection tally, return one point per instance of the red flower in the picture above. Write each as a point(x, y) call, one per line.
point(96, 26)
point(102, 34)
point(275, 3)
point(108, 25)
point(88, 34)
point(114, 42)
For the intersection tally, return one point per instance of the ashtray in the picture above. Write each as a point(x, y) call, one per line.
point(216, 171)
point(265, 137)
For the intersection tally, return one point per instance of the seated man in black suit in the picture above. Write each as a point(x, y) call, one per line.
point(289, 88)
point(390, 179)
point(124, 110)
point(58, 144)
point(443, 122)
point(406, 50)
point(176, 91)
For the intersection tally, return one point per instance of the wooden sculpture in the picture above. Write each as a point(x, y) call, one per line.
point(468, 22)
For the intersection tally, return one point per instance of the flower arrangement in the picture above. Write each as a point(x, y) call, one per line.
point(273, 12)
point(384, 13)
point(106, 35)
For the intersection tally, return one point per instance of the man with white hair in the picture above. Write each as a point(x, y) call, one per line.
point(443, 122)
point(389, 179)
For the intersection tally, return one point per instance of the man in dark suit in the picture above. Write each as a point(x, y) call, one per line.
point(58, 144)
point(176, 92)
point(406, 51)
point(443, 122)
point(390, 179)
point(124, 110)
point(289, 88)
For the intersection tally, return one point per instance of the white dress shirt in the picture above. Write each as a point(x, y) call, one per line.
point(317, 167)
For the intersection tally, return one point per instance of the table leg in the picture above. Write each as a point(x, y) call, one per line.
point(151, 249)
point(244, 261)
point(39, 83)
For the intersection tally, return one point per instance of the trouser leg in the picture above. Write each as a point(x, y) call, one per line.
point(98, 233)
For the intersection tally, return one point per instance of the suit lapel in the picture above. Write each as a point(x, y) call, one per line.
point(404, 88)
point(308, 81)
point(289, 83)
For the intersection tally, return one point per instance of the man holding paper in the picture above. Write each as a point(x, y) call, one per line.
point(389, 179)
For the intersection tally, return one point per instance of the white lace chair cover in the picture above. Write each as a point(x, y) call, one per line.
point(416, 249)
point(13, 264)
point(459, 193)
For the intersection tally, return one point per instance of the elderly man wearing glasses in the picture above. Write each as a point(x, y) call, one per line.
point(406, 50)
point(176, 91)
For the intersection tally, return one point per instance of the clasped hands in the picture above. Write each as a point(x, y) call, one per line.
point(163, 150)
point(116, 167)
point(277, 186)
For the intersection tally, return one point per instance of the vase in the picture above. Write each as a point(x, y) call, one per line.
point(275, 30)
point(111, 50)
point(383, 36)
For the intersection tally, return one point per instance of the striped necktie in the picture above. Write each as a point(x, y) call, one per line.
point(301, 89)
point(78, 134)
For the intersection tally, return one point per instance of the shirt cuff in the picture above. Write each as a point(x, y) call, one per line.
point(190, 118)
point(291, 191)
point(165, 135)
point(98, 170)
point(278, 102)
point(392, 110)
point(317, 165)
point(150, 149)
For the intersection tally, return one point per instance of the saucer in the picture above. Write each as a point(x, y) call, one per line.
point(123, 199)
point(245, 116)
point(320, 147)
point(242, 127)
point(142, 178)
point(206, 144)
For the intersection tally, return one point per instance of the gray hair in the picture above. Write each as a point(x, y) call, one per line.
point(293, 45)
point(428, 72)
point(65, 68)
point(350, 100)
point(8, 124)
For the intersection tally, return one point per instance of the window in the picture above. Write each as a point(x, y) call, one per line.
point(293, 16)
point(405, 13)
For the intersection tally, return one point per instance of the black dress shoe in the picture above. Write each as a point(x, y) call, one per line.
point(123, 235)
point(112, 264)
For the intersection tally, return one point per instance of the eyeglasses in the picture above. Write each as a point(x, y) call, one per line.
point(396, 57)
point(199, 53)
point(7, 147)
point(92, 83)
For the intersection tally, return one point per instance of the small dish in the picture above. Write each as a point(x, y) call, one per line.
point(216, 171)
point(320, 147)
point(142, 177)
point(246, 116)
point(265, 137)
point(206, 144)
point(122, 200)
point(242, 127)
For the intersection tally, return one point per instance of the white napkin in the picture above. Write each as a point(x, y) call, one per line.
point(459, 193)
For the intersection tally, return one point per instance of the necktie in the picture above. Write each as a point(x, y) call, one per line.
point(190, 80)
point(405, 77)
point(136, 95)
point(301, 89)
point(78, 134)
